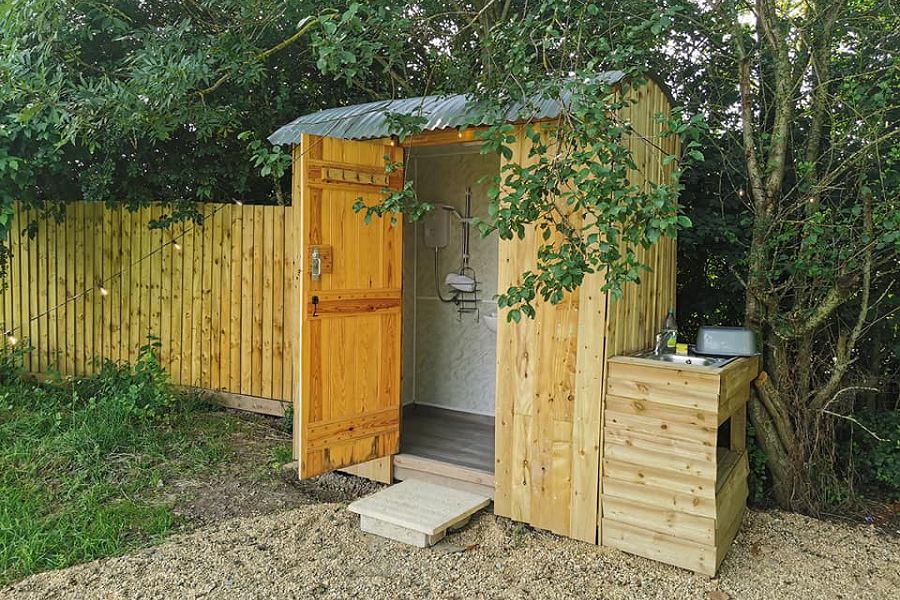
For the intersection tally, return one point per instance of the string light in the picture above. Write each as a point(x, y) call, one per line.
point(459, 133)
point(12, 340)
point(238, 202)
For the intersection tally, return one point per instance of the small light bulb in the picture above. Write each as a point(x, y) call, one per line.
point(459, 133)
point(104, 291)
point(238, 202)
point(13, 340)
point(177, 246)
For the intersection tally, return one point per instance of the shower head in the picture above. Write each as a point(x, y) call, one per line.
point(449, 208)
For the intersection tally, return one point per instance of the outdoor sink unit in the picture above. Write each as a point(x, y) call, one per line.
point(674, 476)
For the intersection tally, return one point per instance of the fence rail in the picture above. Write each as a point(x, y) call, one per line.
point(97, 285)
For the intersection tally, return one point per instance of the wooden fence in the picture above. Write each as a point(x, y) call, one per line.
point(215, 295)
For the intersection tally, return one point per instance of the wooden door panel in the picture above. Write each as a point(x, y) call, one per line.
point(349, 402)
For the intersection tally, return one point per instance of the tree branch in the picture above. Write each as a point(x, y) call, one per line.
point(753, 172)
point(771, 399)
point(853, 419)
point(783, 101)
point(836, 296)
point(304, 26)
point(395, 77)
point(819, 54)
point(777, 457)
point(843, 358)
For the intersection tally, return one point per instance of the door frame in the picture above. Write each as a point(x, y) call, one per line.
point(378, 469)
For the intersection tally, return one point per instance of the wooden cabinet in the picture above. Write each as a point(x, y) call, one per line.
point(674, 472)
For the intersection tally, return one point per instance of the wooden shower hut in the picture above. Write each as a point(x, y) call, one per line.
point(310, 305)
point(543, 440)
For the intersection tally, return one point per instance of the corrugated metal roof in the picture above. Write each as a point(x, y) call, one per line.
point(370, 120)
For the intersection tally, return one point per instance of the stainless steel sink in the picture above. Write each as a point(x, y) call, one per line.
point(697, 361)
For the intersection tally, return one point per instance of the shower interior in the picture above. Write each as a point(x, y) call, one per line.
point(463, 283)
point(449, 329)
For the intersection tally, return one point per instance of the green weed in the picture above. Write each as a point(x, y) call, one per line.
point(282, 454)
point(80, 460)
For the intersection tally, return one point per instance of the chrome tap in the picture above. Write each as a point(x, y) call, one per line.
point(660, 346)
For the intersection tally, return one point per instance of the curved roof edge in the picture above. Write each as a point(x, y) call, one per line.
point(371, 120)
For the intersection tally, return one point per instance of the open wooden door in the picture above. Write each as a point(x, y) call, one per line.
point(348, 408)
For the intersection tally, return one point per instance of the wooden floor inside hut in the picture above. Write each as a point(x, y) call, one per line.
point(450, 436)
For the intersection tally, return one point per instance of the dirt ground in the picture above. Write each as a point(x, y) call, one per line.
point(248, 532)
point(250, 482)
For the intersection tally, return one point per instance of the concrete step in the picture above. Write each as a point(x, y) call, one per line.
point(417, 512)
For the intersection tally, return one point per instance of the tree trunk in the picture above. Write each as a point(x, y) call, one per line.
point(777, 458)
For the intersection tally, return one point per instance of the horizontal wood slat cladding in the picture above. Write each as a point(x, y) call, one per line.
point(551, 379)
point(695, 528)
point(661, 428)
point(658, 477)
point(668, 492)
point(667, 414)
point(659, 546)
point(681, 389)
point(196, 300)
point(662, 497)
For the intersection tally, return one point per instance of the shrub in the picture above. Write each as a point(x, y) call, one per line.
point(141, 390)
point(878, 460)
point(11, 363)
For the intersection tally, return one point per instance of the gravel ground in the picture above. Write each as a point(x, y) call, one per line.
point(318, 551)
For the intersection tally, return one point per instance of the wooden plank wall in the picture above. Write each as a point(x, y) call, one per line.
point(213, 295)
point(550, 371)
point(639, 313)
point(659, 477)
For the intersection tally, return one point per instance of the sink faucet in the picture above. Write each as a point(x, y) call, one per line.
point(660, 345)
point(668, 336)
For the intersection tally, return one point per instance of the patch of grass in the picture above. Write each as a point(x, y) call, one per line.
point(80, 461)
point(282, 454)
point(278, 456)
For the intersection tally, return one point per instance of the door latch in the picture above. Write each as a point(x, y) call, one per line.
point(315, 260)
point(320, 261)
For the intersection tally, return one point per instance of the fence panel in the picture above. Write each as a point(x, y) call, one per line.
point(97, 285)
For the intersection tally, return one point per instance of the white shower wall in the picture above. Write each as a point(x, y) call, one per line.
point(449, 360)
